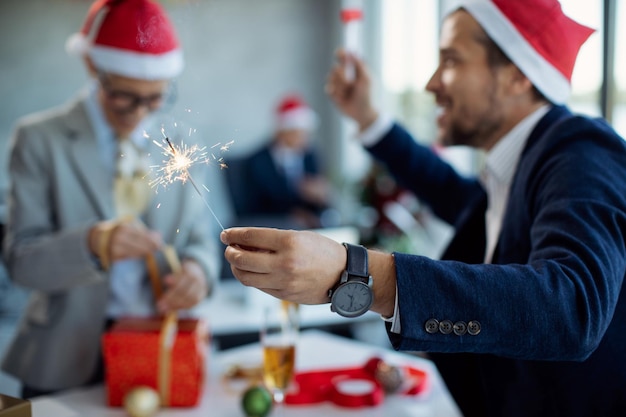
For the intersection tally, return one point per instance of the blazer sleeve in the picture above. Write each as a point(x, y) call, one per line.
point(420, 170)
point(38, 253)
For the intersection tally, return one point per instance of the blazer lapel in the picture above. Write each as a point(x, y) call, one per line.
point(469, 242)
point(85, 158)
point(544, 129)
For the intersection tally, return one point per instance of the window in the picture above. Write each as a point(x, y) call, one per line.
point(587, 76)
point(619, 111)
point(409, 55)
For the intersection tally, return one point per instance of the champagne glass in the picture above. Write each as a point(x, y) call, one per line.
point(279, 331)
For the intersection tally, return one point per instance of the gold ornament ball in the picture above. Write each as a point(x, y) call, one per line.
point(142, 402)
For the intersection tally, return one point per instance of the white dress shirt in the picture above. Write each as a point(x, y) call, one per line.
point(497, 175)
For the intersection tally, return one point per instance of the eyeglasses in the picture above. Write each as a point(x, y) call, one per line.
point(127, 102)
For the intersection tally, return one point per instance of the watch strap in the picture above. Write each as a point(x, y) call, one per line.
point(357, 263)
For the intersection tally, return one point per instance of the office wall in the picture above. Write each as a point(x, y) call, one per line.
point(241, 55)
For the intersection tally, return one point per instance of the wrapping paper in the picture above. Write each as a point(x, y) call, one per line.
point(137, 352)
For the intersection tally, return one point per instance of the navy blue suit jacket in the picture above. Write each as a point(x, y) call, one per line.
point(551, 308)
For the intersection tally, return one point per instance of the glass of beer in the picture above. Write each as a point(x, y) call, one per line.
point(279, 332)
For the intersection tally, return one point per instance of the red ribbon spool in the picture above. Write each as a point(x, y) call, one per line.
point(349, 387)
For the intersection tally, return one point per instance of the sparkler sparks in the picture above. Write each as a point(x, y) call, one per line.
point(178, 160)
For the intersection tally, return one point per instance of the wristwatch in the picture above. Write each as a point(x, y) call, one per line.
point(353, 295)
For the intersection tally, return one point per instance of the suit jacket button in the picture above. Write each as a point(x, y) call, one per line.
point(432, 326)
point(473, 327)
point(445, 326)
point(460, 328)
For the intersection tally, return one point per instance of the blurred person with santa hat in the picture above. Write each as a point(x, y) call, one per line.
point(282, 182)
point(78, 173)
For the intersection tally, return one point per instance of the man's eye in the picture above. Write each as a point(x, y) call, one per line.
point(448, 62)
point(120, 95)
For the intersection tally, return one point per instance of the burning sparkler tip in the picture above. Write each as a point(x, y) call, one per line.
point(170, 144)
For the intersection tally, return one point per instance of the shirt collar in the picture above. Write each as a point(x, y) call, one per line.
point(502, 159)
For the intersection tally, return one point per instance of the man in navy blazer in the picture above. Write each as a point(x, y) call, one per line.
point(524, 314)
point(281, 183)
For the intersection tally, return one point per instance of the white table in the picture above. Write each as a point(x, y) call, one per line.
point(316, 350)
point(234, 314)
point(235, 309)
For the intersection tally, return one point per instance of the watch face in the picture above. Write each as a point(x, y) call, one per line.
point(352, 299)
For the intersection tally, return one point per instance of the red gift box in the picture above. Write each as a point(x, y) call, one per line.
point(136, 354)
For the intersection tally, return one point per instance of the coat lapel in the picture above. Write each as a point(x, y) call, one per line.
point(84, 156)
point(469, 242)
point(544, 129)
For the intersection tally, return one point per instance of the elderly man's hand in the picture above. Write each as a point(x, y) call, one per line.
point(184, 289)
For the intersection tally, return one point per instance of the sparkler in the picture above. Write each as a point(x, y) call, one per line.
point(179, 160)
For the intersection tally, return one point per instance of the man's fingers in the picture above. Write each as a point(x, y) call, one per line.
point(131, 240)
point(255, 238)
point(181, 294)
point(249, 260)
point(264, 282)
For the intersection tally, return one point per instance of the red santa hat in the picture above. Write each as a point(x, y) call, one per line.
point(293, 113)
point(536, 35)
point(132, 38)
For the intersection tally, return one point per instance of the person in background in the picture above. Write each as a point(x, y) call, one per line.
point(524, 314)
point(81, 216)
point(282, 183)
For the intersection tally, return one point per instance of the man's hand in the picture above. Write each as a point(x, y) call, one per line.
point(301, 266)
point(111, 241)
point(297, 266)
point(352, 97)
point(315, 189)
point(184, 289)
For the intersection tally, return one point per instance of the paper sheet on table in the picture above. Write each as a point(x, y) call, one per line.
point(51, 408)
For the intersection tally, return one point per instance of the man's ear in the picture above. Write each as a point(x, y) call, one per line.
point(519, 83)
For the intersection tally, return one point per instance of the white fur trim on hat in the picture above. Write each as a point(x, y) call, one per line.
point(546, 78)
point(301, 118)
point(137, 65)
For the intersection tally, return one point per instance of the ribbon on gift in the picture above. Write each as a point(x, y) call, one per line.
point(169, 327)
point(351, 387)
point(167, 337)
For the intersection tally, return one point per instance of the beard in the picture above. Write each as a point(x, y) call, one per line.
point(476, 136)
point(472, 128)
